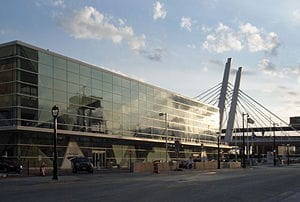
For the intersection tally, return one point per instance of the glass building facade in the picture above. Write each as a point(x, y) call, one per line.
point(102, 115)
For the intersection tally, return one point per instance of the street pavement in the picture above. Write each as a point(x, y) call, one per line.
point(261, 183)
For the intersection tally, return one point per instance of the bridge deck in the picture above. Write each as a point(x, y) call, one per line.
point(265, 129)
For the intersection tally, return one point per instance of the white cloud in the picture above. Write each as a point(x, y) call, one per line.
point(255, 41)
point(296, 16)
point(89, 23)
point(121, 22)
point(205, 29)
point(2, 32)
point(58, 3)
point(186, 24)
point(154, 54)
point(290, 96)
point(6, 31)
point(192, 46)
point(52, 3)
point(55, 7)
point(159, 11)
point(224, 38)
point(269, 68)
point(295, 71)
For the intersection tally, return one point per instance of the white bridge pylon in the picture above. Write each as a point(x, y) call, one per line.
point(227, 96)
point(234, 100)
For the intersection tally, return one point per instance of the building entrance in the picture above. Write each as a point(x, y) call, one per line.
point(99, 159)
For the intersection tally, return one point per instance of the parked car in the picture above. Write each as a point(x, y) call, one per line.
point(10, 166)
point(81, 164)
point(186, 164)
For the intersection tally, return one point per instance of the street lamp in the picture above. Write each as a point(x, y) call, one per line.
point(288, 154)
point(274, 144)
point(218, 156)
point(243, 146)
point(249, 121)
point(166, 132)
point(130, 164)
point(55, 111)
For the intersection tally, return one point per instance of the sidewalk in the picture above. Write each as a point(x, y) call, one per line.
point(68, 177)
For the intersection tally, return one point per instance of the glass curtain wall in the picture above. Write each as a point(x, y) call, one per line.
point(7, 85)
point(94, 100)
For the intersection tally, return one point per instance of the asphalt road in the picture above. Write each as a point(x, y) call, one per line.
point(265, 183)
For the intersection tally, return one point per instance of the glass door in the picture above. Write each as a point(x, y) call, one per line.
point(99, 159)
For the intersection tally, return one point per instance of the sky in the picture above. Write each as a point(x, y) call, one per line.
point(180, 45)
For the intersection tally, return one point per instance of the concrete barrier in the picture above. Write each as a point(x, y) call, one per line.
point(210, 165)
point(142, 167)
point(149, 167)
point(231, 165)
point(234, 164)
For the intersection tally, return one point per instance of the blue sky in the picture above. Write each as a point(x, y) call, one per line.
point(178, 45)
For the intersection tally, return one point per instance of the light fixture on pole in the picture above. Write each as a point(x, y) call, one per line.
point(130, 164)
point(243, 145)
point(55, 111)
point(249, 121)
point(274, 144)
point(166, 132)
point(218, 156)
point(288, 154)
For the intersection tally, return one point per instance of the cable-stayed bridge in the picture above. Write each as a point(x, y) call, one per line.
point(243, 116)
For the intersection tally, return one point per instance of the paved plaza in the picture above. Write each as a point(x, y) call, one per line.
point(263, 183)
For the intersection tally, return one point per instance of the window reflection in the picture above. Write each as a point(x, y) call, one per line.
point(95, 100)
point(6, 76)
point(6, 100)
point(59, 63)
point(28, 65)
point(7, 64)
point(60, 74)
point(7, 51)
point(6, 116)
point(28, 77)
point(45, 58)
point(27, 52)
point(6, 88)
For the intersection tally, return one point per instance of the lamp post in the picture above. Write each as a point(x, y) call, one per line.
point(219, 164)
point(288, 154)
point(55, 111)
point(130, 164)
point(274, 144)
point(247, 147)
point(249, 121)
point(243, 145)
point(166, 132)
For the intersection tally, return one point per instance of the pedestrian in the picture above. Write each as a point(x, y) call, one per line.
point(43, 169)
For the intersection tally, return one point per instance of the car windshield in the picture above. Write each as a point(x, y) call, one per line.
point(82, 159)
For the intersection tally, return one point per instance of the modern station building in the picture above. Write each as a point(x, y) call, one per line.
point(103, 115)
